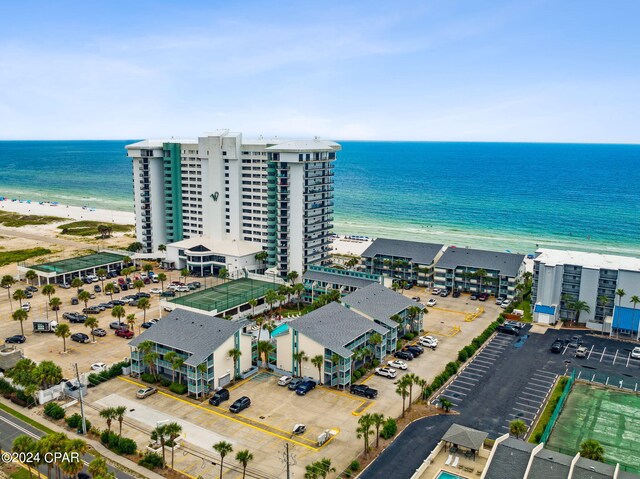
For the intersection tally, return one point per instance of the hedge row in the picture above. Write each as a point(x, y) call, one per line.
point(118, 444)
point(112, 372)
point(465, 353)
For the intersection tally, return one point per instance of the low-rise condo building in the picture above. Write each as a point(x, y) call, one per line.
point(343, 338)
point(202, 342)
point(479, 271)
point(275, 193)
point(319, 280)
point(403, 260)
point(606, 284)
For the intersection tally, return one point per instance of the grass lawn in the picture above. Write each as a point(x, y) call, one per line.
point(15, 256)
point(8, 218)
point(525, 305)
point(26, 419)
point(90, 228)
point(548, 410)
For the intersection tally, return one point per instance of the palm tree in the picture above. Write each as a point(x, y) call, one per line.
point(480, 275)
point(24, 445)
point(270, 297)
point(63, 331)
point(364, 430)
point(351, 263)
point(264, 348)
point(402, 389)
point(170, 357)
point(118, 312)
point(318, 361)
point(635, 300)
point(48, 290)
point(253, 303)
point(244, 457)
point(6, 282)
point(74, 464)
point(138, 284)
point(110, 289)
point(173, 430)
point(411, 379)
point(591, 449)
point(517, 428)
point(413, 313)
point(269, 326)
point(55, 304)
point(131, 322)
point(177, 365)
point(109, 414)
point(31, 276)
point(603, 301)
point(298, 358)
point(162, 278)
point(284, 290)
point(92, 323)
point(98, 467)
point(150, 360)
point(375, 340)
point(202, 369)
point(184, 272)
point(19, 295)
point(292, 276)
point(298, 289)
point(84, 296)
point(445, 404)
point(20, 315)
point(77, 283)
point(147, 268)
point(223, 274)
point(235, 354)
point(119, 412)
point(579, 307)
point(144, 304)
point(223, 448)
point(159, 434)
point(377, 420)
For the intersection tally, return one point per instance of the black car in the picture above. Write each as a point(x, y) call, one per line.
point(104, 306)
point(196, 284)
point(97, 288)
point(83, 475)
point(506, 329)
point(167, 294)
point(456, 294)
point(31, 289)
point(146, 325)
point(363, 390)
point(75, 317)
point(305, 387)
point(80, 338)
point(407, 356)
point(557, 347)
point(17, 339)
point(240, 404)
point(116, 289)
point(117, 302)
point(473, 296)
point(91, 310)
point(295, 382)
point(219, 396)
point(142, 295)
point(414, 349)
point(575, 342)
point(74, 301)
point(124, 287)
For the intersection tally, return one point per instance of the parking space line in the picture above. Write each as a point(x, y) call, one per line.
point(525, 419)
point(537, 390)
point(463, 382)
point(628, 359)
point(545, 377)
point(522, 411)
point(472, 373)
point(537, 396)
point(468, 379)
point(528, 405)
point(590, 351)
point(542, 371)
point(455, 383)
point(484, 361)
point(543, 381)
point(494, 346)
point(603, 351)
point(615, 357)
point(458, 392)
point(489, 353)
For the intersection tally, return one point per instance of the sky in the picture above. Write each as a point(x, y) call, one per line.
point(449, 70)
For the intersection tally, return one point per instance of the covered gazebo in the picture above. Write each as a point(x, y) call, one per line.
point(460, 436)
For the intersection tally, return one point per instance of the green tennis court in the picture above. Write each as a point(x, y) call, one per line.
point(79, 263)
point(607, 415)
point(227, 295)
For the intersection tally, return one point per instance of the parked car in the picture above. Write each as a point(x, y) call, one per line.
point(97, 288)
point(75, 317)
point(124, 333)
point(17, 339)
point(575, 342)
point(167, 294)
point(397, 364)
point(582, 352)
point(182, 289)
point(155, 291)
point(28, 294)
point(416, 298)
point(435, 291)
point(557, 347)
point(64, 285)
point(499, 301)
point(284, 380)
point(294, 383)
point(428, 342)
point(456, 293)
point(80, 338)
point(431, 302)
point(31, 289)
point(506, 329)
point(196, 284)
point(483, 296)
point(414, 349)
point(363, 390)
point(505, 303)
point(92, 310)
point(98, 367)
point(305, 387)
point(407, 356)
point(444, 293)
point(26, 307)
point(74, 301)
point(107, 305)
point(219, 396)
point(155, 279)
point(146, 325)
point(99, 332)
point(142, 295)
point(145, 392)
point(473, 296)
point(386, 372)
point(116, 325)
point(117, 302)
point(115, 288)
point(635, 353)
point(240, 404)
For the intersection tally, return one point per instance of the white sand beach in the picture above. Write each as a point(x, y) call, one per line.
point(351, 247)
point(71, 212)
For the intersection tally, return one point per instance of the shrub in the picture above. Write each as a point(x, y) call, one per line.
point(54, 411)
point(375, 363)
point(109, 439)
point(148, 378)
point(356, 375)
point(389, 429)
point(28, 400)
point(354, 466)
point(462, 355)
point(75, 422)
point(151, 460)
point(470, 350)
point(409, 336)
point(16, 400)
point(178, 388)
point(5, 387)
point(126, 446)
point(362, 371)
point(165, 382)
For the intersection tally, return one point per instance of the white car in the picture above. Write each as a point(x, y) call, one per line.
point(26, 307)
point(435, 291)
point(155, 279)
point(284, 380)
point(183, 289)
point(499, 301)
point(99, 367)
point(428, 342)
point(155, 291)
point(635, 354)
point(398, 364)
point(431, 302)
point(505, 303)
point(386, 372)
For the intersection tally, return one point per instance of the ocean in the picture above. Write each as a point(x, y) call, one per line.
point(502, 196)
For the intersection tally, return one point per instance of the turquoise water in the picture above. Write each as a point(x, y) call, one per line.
point(503, 196)
point(447, 475)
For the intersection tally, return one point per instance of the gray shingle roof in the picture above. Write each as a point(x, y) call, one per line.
point(588, 469)
point(510, 459)
point(423, 253)
point(465, 437)
point(191, 332)
point(378, 301)
point(550, 465)
point(507, 264)
point(334, 326)
point(336, 279)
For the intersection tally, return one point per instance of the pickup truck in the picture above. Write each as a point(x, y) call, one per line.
point(363, 390)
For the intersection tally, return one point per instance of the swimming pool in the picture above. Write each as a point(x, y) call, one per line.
point(279, 330)
point(448, 475)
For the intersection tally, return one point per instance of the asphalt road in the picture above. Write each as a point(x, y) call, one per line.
point(508, 380)
point(11, 428)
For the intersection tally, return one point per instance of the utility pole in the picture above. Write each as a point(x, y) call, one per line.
point(288, 459)
point(84, 422)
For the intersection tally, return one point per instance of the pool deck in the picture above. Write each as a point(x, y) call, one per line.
point(432, 471)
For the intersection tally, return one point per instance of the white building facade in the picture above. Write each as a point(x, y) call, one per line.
point(561, 278)
point(274, 193)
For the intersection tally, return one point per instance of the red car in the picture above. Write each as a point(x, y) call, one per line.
point(124, 333)
point(483, 296)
